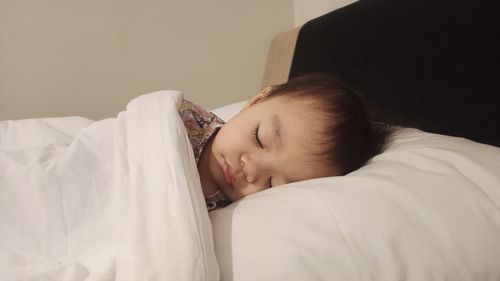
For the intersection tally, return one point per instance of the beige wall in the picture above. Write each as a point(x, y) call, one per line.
point(90, 57)
point(305, 10)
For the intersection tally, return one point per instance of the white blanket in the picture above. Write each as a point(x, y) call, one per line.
point(118, 199)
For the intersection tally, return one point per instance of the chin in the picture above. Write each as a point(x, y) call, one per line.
point(227, 191)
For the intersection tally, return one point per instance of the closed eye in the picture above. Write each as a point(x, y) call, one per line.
point(256, 139)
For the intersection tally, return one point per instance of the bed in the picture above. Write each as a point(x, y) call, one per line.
point(120, 199)
point(427, 208)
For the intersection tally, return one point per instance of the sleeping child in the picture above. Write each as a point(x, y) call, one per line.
point(309, 127)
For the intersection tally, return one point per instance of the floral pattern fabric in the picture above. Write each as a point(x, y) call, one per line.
point(201, 125)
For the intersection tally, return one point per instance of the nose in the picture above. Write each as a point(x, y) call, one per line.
point(244, 168)
point(255, 170)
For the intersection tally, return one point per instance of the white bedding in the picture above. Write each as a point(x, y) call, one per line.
point(118, 199)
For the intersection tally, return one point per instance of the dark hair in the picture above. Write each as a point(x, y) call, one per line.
point(350, 138)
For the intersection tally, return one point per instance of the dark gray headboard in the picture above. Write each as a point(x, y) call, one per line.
point(434, 64)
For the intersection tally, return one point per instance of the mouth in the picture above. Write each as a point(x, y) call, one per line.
point(228, 175)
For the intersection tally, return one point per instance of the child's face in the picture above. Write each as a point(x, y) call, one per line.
point(269, 143)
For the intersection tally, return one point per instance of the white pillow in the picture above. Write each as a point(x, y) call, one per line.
point(425, 209)
point(227, 112)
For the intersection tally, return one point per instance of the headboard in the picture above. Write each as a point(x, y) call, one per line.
point(434, 65)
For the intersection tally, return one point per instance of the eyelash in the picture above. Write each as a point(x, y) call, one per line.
point(256, 139)
point(255, 134)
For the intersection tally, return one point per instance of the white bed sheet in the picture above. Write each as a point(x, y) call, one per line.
point(117, 199)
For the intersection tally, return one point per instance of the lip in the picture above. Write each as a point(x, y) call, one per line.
point(228, 174)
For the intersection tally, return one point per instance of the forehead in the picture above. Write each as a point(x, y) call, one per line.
point(298, 117)
point(293, 108)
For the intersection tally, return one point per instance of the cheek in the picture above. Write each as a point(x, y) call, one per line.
point(218, 143)
point(227, 139)
point(244, 190)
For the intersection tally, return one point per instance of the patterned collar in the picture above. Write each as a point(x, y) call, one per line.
point(201, 125)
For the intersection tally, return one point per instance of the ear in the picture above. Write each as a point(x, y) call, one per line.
point(260, 96)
